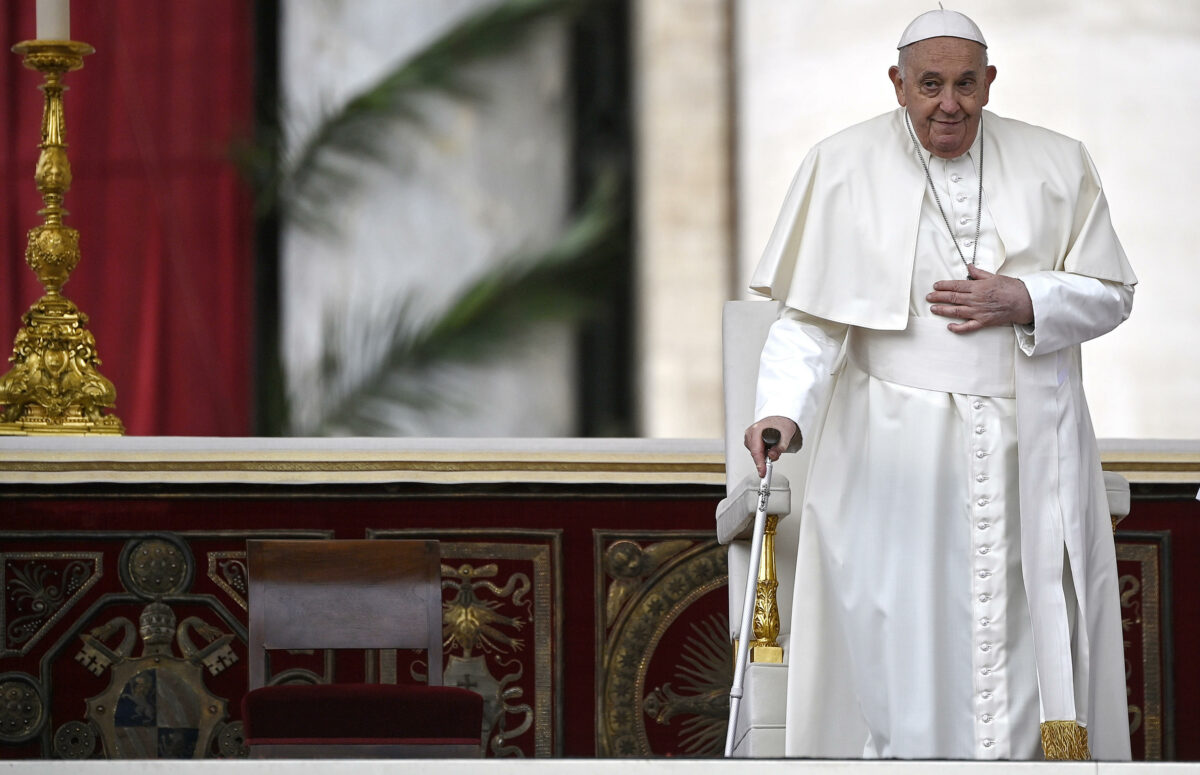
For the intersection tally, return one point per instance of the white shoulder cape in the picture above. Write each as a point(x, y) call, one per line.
point(843, 246)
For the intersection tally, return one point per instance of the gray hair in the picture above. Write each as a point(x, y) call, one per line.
point(902, 59)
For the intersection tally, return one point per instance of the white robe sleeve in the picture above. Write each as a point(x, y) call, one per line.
point(796, 368)
point(1069, 309)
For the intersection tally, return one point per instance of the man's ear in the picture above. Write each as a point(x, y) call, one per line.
point(989, 75)
point(898, 83)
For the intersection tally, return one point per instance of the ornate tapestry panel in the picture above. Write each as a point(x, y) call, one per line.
point(123, 645)
point(664, 663)
point(1144, 571)
point(502, 634)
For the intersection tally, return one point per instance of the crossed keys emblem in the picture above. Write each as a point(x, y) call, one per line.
point(156, 705)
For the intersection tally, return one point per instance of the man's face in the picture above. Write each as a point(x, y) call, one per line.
point(944, 84)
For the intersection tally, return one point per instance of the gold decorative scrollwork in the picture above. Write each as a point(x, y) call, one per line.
point(628, 563)
point(40, 587)
point(1130, 588)
point(649, 585)
point(1140, 615)
point(495, 619)
point(228, 571)
point(703, 697)
point(471, 622)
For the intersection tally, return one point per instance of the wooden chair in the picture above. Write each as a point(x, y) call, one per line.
point(352, 594)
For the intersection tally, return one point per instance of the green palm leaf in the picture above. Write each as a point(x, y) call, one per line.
point(561, 284)
point(301, 182)
point(362, 386)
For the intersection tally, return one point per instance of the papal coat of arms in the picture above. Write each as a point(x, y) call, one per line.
point(156, 705)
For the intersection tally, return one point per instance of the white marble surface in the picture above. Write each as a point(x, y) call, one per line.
point(249, 460)
point(340, 461)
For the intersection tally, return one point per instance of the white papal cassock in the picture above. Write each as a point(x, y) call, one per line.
point(955, 588)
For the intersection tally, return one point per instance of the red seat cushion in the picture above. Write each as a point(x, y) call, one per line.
point(362, 712)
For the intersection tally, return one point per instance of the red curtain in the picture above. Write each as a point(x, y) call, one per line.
point(165, 223)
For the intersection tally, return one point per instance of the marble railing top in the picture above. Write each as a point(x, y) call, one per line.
point(181, 459)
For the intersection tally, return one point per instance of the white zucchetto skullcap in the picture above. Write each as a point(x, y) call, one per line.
point(941, 24)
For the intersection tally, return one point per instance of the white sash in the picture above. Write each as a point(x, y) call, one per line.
point(929, 356)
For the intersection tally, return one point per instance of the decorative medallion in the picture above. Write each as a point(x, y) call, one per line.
point(75, 740)
point(664, 665)
point(156, 706)
point(39, 589)
point(156, 566)
point(231, 741)
point(22, 707)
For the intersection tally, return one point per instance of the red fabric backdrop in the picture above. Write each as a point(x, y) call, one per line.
point(165, 224)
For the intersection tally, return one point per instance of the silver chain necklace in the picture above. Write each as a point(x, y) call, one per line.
point(979, 208)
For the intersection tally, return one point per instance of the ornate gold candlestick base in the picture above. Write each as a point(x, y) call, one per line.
point(54, 386)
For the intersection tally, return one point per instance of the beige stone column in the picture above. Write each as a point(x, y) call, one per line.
point(685, 241)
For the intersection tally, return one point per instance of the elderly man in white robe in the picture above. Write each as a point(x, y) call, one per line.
point(956, 592)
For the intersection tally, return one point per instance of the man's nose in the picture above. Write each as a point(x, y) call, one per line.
point(948, 102)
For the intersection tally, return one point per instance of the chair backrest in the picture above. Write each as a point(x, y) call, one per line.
point(344, 594)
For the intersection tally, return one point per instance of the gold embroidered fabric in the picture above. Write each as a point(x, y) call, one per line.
point(1065, 740)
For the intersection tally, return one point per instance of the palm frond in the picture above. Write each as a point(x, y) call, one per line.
point(301, 182)
point(562, 283)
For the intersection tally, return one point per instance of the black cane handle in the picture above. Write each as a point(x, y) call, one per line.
point(770, 437)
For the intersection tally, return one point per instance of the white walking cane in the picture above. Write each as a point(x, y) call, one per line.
point(770, 437)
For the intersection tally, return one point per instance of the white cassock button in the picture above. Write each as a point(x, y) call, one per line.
point(979, 430)
point(962, 197)
point(983, 524)
point(982, 502)
point(986, 695)
point(978, 404)
point(988, 743)
point(986, 647)
point(984, 550)
point(985, 671)
point(983, 574)
point(981, 478)
point(984, 598)
point(969, 242)
point(963, 220)
point(986, 718)
point(956, 177)
point(984, 622)
point(980, 454)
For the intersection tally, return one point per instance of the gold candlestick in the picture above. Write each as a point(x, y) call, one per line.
point(53, 386)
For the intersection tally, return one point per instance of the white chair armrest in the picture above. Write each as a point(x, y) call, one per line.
point(1116, 488)
point(735, 514)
